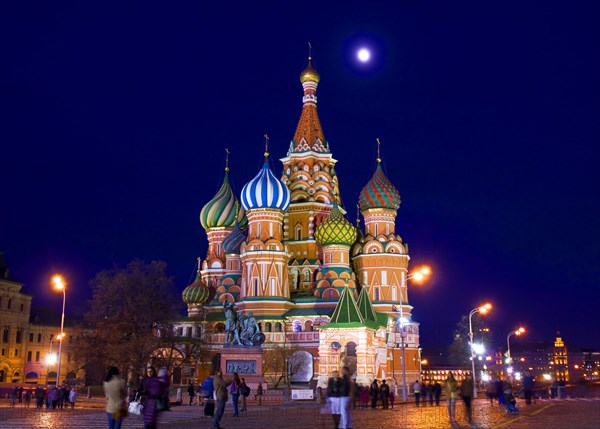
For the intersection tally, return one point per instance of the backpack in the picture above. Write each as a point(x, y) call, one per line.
point(245, 390)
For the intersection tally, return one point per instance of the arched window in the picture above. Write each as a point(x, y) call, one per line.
point(268, 327)
point(297, 326)
point(307, 275)
point(220, 328)
point(278, 327)
point(308, 326)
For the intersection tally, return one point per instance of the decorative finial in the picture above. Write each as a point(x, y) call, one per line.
point(309, 51)
point(266, 146)
point(199, 263)
point(226, 159)
point(357, 214)
point(378, 151)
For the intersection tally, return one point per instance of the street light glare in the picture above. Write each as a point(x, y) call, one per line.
point(485, 308)
point(58, 282)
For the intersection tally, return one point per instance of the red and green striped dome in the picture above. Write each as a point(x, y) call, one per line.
point(336, 230)
point(379, 193)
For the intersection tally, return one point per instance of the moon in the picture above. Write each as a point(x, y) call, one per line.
point(364, 55)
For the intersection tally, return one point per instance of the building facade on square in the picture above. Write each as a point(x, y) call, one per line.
point(284, 251)
point(28, 338)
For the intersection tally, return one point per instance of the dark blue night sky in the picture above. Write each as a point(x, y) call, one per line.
point(115, 116)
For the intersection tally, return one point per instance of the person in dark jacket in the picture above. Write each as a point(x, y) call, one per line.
point(437, 392)
point(374, 393)
point(191, 392)
point(333, 397)
point(153, 390)
point(384, 389)
point(528, 387)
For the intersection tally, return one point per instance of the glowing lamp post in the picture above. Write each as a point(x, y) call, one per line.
point(59, 284)
point(516, 332)
point(403, 321)
point(483, 310)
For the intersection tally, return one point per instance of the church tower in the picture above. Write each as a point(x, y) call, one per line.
point(309, 173)
point(264, 258)
point(380, 258)
point(218, 217)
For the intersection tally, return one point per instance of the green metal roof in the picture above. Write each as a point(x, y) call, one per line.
point(346, 313)
point(365, 307)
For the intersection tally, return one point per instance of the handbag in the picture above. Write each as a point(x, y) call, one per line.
point(136, 408)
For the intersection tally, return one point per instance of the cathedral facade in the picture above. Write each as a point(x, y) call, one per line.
point(284, 251)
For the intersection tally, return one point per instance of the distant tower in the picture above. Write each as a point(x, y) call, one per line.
point(218, 217)
point(309, 173)
point(561, 363)
point(265, 289)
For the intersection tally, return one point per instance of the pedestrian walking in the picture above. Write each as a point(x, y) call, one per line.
point(208, 392)
point(364, 396)
point(234, 389)
point(13, 396)
point(490, 391)
point(437, 392)
point(430, 392)
point(115, 391)
point(39, 396)
point(417, 392)
point(20, 395)
point(374, 393)
point(28, 394)
point(221, 396)
point(333, 397)
point(244, 391)
point(191, 392)
point(259, 393)
point(499, 391)
point(528, 382)
point(466, 391)
point(153, 389)
point(384, 389)
point(72, 397)
point(424, 393)
point(346, 391)
point(451, 390)
point(392, 398)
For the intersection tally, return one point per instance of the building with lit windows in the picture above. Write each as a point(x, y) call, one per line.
point(28, 339)
point(284, 250)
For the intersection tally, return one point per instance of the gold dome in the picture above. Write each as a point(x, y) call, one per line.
point(309, 74)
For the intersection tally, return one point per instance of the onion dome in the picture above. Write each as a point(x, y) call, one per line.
point(310, 74)
point(379, 193)
point(220, 212)
point(197, 293)
point(265, 191)
point(233, 241)
point(336, 230)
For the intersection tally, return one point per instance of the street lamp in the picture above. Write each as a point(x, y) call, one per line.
point(516, 332)
point(402, 321)
point(418, 275)
point(59, 284)
point(483, 309)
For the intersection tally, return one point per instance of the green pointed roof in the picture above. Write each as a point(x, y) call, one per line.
point(365, 307)
point(346, 313)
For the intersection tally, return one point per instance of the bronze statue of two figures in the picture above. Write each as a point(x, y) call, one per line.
point(239, 329)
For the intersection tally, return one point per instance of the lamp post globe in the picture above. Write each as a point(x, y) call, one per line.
point(59, 284)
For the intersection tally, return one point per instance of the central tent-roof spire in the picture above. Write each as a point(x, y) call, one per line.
point(309, 134)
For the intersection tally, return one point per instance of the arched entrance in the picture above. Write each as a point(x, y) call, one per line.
point(300, 365)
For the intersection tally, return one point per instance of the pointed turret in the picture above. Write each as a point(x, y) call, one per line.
point(346, 313)
point(309, 134)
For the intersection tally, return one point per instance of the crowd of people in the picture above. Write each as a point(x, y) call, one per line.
point(50, 398)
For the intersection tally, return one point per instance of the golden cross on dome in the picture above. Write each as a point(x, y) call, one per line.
point(309, 51)
point(266, 146)
point(378, 151)
point(199, 263)
point(358, 214)
point(226, 159)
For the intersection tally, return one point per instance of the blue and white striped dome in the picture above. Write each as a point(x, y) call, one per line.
point(265, 191)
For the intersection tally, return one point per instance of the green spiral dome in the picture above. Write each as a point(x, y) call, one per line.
point(197, 293)
point(220, 212)
point(336, 230)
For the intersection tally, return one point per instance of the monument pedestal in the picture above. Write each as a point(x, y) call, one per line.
point(247, 361)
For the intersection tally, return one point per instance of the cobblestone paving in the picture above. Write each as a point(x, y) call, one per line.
point(567, 414)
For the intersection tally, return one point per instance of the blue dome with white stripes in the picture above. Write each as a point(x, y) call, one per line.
point(265, 191)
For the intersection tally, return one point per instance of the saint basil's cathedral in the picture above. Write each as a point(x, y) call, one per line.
point(284, 251)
